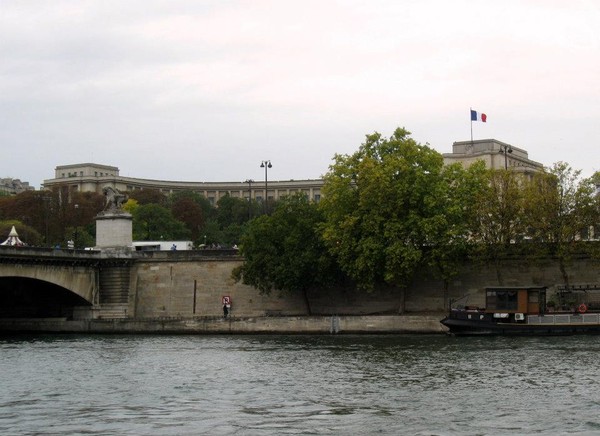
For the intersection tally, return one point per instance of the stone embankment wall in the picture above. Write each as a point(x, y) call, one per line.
point(164, 285)
point(398, 324)
point(181, 292)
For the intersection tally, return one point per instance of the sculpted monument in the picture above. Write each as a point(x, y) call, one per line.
point(114, 200)
point(113, 224)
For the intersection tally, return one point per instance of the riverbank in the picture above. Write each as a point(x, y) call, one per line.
point(372, 324)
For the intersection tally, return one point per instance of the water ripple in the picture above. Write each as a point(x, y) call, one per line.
point(221, 385)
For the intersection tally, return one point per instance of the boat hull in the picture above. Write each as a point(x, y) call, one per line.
point(465, 327)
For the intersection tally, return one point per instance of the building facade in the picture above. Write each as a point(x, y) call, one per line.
point(91, 177)
point(10, 186)
point(496, 155)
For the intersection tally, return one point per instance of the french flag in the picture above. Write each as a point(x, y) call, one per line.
point(478, 116)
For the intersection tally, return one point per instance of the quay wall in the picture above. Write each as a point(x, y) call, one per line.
point(387, 324)
point(181, 292)
point(164, 285)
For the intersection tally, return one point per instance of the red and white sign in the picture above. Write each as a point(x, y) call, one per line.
point(226, 299)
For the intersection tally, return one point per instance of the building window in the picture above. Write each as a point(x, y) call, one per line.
point(317, 198)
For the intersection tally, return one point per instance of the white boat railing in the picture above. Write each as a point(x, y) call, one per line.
point(564, 318)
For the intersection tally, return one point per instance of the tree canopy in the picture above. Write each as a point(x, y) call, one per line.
point(285, 251)
point(54, 214)
point(152, 222)
point(383, 205)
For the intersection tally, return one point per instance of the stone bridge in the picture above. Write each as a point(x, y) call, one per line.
point(104, 284)
point(44, 282)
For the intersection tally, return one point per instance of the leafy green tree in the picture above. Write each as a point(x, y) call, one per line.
point(231, 211)
point(131, 206)
point(500, 218)
point(384, 206)
point(593, 232)
point(595, 181)
point(232, 234)
point(189, 212)
point(212, 234)
point(451, 243)
point(560, 207)
point(232, 216)
point(36, 209)
point(81, 237)
point(148, 196)
point(51, 213)
point(207, 208)
point(498, 222)
point(195, 211)
point(154, 222)
point(284, 251)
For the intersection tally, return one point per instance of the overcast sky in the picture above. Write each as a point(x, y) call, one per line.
point(205, 90)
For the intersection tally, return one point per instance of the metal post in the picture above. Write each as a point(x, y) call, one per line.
point(249, 182)
point(266, 164)
point(76, 223)
point(506, 149)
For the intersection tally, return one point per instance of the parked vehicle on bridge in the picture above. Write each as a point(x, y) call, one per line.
point(162, 245)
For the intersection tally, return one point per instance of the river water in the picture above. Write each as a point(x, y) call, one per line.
point(276, 385)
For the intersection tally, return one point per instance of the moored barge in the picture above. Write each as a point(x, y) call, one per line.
point(525, 311)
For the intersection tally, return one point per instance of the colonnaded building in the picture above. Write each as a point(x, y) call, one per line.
point(91, 177)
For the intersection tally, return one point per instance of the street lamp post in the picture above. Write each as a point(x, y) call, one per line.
point(76, 224)
point(46, 199)
point(506, 149)
point(266, 164)
point(249, 182)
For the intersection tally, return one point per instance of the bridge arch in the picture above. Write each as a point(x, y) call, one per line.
point(23, 297)
point(79, 280)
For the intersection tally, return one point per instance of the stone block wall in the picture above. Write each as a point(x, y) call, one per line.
point(165, 287)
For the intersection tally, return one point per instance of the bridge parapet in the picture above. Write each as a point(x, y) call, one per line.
point(187, 255)
point(34, 255)
point(74, 271)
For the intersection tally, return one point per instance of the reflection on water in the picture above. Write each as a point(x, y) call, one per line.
point(177, 385)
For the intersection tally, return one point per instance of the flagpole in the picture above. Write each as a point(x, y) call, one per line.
point(471, 118)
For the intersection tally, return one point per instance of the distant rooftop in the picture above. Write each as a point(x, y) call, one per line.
point(11, 186)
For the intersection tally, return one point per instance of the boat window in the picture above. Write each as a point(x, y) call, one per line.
point(502, 300)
